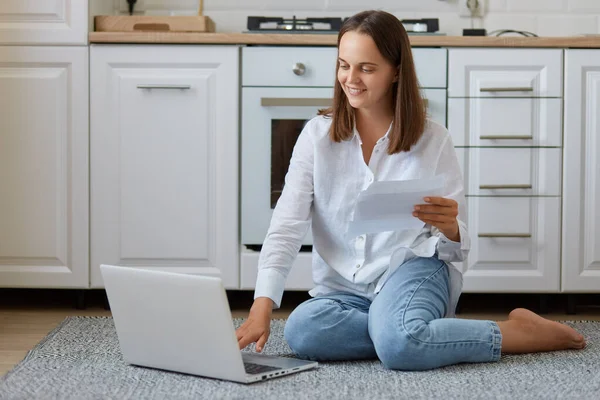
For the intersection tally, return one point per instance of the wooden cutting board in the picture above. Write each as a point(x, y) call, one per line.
point(137, 23)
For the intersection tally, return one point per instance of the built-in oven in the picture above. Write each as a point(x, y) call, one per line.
point(271, 122)
point(282, 88)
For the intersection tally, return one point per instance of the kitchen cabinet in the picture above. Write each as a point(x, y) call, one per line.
point(44, 166)
point(504, 115)
point(513, 244)
point(43, 22)
point(581, 184)
point(164, 159)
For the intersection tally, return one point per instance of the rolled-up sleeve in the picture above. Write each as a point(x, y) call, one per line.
point(289, 223)
point(448, 165)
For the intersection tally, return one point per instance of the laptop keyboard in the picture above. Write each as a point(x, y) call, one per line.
point(252, 368)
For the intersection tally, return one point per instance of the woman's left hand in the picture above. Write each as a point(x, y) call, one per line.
point(441, 213)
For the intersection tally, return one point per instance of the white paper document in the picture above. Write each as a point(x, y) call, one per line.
point(388, 205)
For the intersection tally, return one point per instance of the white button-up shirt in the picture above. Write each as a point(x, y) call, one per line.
point(322, 185)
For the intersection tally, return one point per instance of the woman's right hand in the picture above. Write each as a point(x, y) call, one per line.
point(258, 325)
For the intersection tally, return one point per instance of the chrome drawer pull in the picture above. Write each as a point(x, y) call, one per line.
point(504, 235)
point(506, 137)
point(299, 69)
point(295, 102)
point(506, 89)
point(181, 87)
point(505, 186)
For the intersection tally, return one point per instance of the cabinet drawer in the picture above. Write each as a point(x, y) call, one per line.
point(505, 122)
point(511, 171)
point(505, 73)
point(274, 66)
point(515, 244)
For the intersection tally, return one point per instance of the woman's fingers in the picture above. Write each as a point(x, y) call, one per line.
point(261, 342)
point(440, 201)
point(249, 333)
point(438, 224)
point(240, 332)
point(436, 209)
point(441, 213)
point(248, 338)
point(438, 205)
point(444, 218)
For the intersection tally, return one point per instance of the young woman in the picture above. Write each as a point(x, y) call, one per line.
point(390, 295)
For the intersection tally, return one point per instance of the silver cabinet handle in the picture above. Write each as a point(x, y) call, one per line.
point(299, 69)
point(506, 137)
point(182, 87)
point(505, 186)
point(504, 235)
point(295, 102)
point(507, 89)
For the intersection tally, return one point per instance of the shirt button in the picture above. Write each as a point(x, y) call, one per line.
point(361, 238)
point(371, 179)
point(357, 265)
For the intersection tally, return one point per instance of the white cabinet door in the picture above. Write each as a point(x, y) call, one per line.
point(518, 171)
point(581, 185)
point(44, 22)
point(505, 122)
point(164, 159)
point(44, 167)
point(436, 105)
point(498, 73)
point(515, 244)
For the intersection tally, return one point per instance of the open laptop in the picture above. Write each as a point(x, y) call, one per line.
point(182, 322)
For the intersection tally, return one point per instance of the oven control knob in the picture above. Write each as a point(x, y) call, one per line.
point(299, 69)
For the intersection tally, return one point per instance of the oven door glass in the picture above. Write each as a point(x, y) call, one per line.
point(272, 119)
point(284, 133)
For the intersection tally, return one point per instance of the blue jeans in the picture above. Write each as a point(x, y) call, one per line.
point(403, 326)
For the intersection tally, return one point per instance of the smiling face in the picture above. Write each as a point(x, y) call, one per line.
point(365, 76)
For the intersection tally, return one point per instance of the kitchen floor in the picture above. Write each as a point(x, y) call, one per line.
point(27, 316)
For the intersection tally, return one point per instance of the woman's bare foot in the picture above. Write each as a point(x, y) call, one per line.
point(527, 332)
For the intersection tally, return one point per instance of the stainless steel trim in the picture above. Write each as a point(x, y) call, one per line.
point(506, 89)
point(506, 137)
point(295, 102)
point(181, 87)
point(504, 235)
point(505, 186)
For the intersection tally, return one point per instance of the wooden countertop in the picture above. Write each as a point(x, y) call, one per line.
point(330, 40)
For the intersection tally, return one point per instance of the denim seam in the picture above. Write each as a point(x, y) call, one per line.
point(338, 303)
point(403, 322)
point(496, 349)
point(344, 305)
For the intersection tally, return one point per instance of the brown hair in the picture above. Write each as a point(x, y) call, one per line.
point(409, 108)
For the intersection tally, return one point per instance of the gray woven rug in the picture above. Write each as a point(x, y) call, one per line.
point(81, 359)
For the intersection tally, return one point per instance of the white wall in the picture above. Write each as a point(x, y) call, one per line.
point(543, 17)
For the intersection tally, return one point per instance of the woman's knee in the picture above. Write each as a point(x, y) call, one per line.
point(303, 327)
point(399, 349)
